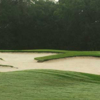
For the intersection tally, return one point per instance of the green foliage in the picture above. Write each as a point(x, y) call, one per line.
point(69, 24)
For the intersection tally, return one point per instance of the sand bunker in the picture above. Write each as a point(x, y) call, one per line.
point(25, 61)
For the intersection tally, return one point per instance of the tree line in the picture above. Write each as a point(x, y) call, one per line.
point(67, 24)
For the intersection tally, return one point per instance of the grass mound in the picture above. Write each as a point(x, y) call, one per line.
point(49, 85)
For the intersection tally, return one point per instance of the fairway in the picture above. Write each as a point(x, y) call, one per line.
point(25, 61)
point(49, 85)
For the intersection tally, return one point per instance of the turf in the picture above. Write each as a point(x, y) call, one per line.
point(36, 50)
point(6, 66)
point(60, 53)
point(49, 85)
point(1, 59)
point(66, 54)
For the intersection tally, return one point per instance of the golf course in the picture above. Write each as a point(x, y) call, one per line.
point(79, 61)
point(49, 75)
point(49, 49)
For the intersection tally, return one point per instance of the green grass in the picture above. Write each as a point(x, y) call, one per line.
point(6, 66)
point(49, 85)
point(60, 53)
point(36, 50)
point(69, 54)
point(1, 59)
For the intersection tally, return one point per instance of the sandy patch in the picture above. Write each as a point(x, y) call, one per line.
point(25, 61)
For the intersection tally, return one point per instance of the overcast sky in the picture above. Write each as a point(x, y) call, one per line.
point(56, 0)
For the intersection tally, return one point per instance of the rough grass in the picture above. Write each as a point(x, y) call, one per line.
point(1, 59)
point(6, 66)
point(60, 53)
point(49, 85)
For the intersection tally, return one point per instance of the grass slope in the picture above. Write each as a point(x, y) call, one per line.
point(61, 53)
point(49, 85)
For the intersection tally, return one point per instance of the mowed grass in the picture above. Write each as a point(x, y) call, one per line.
point(36, 50)
point(69, 54)
point(49, 85)
point(60, 53)
point(1, 59)
point(6, 66)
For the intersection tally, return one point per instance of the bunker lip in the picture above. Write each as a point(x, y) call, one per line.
point(25, 61)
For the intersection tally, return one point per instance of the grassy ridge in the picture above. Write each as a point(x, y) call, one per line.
point(61, 53)
point(69, 54)
point(36, 50)
point(49, 85)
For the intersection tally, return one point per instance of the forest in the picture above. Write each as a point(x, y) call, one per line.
point(43, 24)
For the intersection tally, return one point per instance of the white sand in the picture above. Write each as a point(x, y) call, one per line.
point(25, 61)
